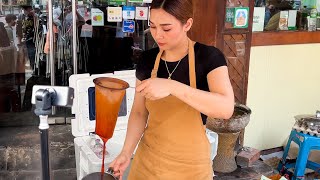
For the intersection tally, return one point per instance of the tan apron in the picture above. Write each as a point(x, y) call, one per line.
point(174, 145)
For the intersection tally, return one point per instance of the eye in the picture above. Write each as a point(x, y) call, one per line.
point(166, 30)
point(153, 27)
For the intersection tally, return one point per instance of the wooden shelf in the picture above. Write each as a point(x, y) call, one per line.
point(284, 38)
point(236, 31)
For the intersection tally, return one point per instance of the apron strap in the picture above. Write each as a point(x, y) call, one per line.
point(192, 72)
point(156, 65)
point(192, 69)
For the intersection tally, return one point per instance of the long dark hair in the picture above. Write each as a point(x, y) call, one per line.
point(180, 9)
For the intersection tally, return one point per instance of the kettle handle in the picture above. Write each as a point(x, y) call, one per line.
point(110, 171)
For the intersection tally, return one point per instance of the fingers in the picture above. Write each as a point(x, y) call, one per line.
point(123, 168)
point(144, 92)
point(113, 165)
point(116, 166)
point(142, 86)
point(119, 165)
point(116, 169)
point(118, 174)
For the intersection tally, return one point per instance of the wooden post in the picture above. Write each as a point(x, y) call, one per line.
point(227, 36)
point(210, 28)
point(205, 22)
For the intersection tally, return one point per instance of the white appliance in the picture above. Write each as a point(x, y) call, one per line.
point(88, 160)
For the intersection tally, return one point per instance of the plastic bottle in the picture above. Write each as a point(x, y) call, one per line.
point(312, 20)
point(313, 12)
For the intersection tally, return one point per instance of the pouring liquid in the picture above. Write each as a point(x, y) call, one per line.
point(104, 153)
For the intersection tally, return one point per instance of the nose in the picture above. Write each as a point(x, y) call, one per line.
point(158, 34)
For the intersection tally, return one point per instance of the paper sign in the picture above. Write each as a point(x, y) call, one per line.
point(258, 18)
point(142, 13)
point(292, 19)
point(128, 26)
point(117, 2)
point(283, 21)
point(114, 14)
point(128, 12)
point(241, 16)
point(229, 14)
point(97, 17)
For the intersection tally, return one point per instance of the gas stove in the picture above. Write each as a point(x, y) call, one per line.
point(308, 124)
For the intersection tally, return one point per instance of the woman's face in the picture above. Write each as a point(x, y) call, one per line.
point(167, 30)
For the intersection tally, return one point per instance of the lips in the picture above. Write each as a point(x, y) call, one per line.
point(161, 44)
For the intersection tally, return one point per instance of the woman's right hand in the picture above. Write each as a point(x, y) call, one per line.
point(120, 164)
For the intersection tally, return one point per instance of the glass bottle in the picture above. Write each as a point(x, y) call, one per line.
point(304, 18)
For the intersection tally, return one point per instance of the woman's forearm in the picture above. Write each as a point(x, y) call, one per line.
point(209, 103)
point(136, 126)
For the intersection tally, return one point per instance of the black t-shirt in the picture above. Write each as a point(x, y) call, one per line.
point(26, 25)
point(207, 58)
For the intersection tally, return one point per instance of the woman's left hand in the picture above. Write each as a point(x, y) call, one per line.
point(155, 88)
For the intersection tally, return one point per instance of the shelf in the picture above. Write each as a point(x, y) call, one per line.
point(236, 31)
point(284, 38)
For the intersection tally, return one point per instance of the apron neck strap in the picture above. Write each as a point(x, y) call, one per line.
point(156, 65)
point(192, 72)
point(192, 69)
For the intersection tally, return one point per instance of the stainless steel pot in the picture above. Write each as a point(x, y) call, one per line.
point(108, 175)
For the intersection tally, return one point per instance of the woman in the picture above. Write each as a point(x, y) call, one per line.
point(175, 82)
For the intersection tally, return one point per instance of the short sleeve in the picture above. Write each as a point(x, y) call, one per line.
point(141, 70)
point(215, 59)
point(145, 64)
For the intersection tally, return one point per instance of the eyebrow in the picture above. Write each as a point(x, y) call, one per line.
point(161, 24)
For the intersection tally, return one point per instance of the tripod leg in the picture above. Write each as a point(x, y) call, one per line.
point(43, 127)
